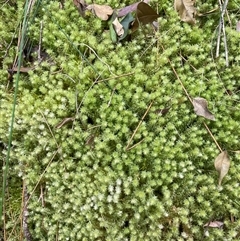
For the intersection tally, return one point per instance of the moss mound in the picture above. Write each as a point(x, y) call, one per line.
point(107, 136)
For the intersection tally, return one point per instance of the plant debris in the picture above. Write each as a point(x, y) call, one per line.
point(222, 165)
point(201, 108)
point(186, 10)
point(101, 11)
point(145, 14)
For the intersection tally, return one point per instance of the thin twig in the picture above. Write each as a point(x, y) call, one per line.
point(225, 44)
point(25, 214)
point(115, 77)
point(109, 68)
point(42, 196)
point(140, 122)
point(78, 108)
point(109, 102)
point(219, 36)
point(49, 128)
point(222, 28)
point(212, 137)
point(135, 144)
point(176, 74)
point(35, 187)
point(224, 32)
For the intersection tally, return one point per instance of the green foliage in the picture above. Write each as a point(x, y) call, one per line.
point(164, 188)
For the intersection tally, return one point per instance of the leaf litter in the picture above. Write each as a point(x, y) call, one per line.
point(222, 165)
point(101, 11)
point(145, 14)
point(201, 108)
point(214, 224)
point(186, 10)
point(118, 27)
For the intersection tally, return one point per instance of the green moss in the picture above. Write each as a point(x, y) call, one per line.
point(164, 187)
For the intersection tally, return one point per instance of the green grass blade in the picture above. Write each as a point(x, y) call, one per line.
point(20, 55)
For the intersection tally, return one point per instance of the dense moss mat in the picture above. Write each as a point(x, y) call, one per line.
point(165, 187)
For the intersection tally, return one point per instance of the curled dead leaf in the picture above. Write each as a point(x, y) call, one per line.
point(129, 9)
point(101, 11)
point(201, 108)
point(126, 22)
point(118, 27)
point(145, 14)
point(186, 10)
point(81, 6)
point(214, 224)
point(222, 165)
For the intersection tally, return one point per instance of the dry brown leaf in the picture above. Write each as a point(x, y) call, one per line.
point(144, 15)
point(102, 11)
point(186, 10)
point(222, 165)
point(214, 224)
point(81, 6)
point(128, 9)
point(118, 27)
point(201, 109)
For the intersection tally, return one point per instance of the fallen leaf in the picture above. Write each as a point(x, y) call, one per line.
point(222, 165)
point(118, 27)
point(155, 25)
point(186, 10)
point(145, 14)
point(126, 21)
point(129, 9)
point(81, 6)
point(214, 224)
point(102, 11)
point(201, 109)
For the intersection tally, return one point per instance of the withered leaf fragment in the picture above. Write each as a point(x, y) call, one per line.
point(118, 27)
point(222, 165)
point(214, 224)
point(126, 22)
point(145, 14)
point(186, 10)
point(129, 9)
point(81, 6)
point(201, 108)
point(101, 11)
